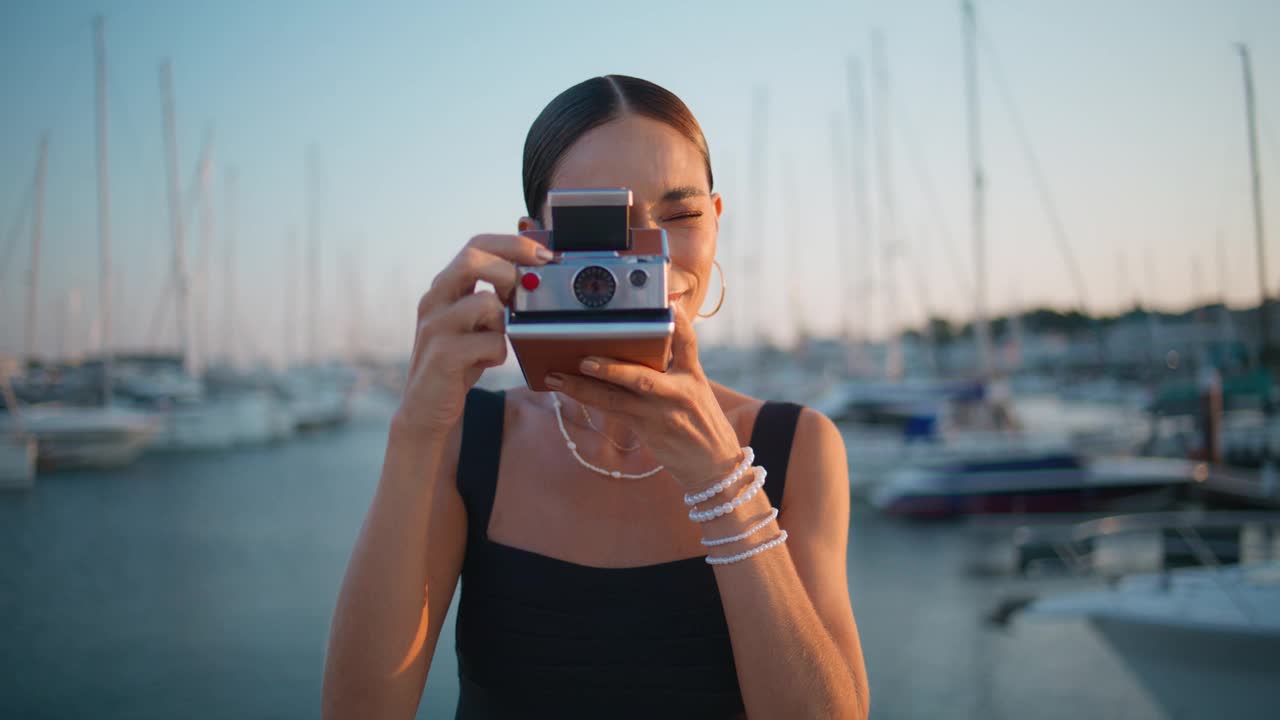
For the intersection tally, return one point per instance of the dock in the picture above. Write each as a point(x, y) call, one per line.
point(1229, 486)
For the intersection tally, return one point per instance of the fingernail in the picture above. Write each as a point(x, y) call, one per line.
point(554, 380)
point(589, 365)
point(544, 254)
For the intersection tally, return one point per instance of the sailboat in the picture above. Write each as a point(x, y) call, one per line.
point(944, 463)
point(172, 386)
point(17, 449)
point(68, 437)
point(263, 415)
point(317, 396)
point(1204, 641)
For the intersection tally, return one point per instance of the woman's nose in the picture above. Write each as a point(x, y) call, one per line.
point(641, 220)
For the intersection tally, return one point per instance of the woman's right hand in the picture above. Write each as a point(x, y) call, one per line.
point(460, 331)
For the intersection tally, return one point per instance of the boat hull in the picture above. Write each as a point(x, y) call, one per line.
point(1051, 483)
point(942, 505)
point(17, 462)
point(70, 438)
point(1204, 642)
point(1200, 672)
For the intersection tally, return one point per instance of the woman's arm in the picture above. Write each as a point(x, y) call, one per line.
point(795, 642)
point(399, 582)
point(406, 562)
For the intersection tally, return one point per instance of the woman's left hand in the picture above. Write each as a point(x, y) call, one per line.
point(676, 415)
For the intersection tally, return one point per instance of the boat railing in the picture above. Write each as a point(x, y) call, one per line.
point(11, 404)
point(1076, 545)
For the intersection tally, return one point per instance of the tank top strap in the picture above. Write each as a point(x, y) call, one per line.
point(771, 437)
point(479, 456)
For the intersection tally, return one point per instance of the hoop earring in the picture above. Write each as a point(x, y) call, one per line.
point(723, 287)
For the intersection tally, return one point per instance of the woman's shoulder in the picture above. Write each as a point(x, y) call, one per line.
point(805, 442)
point(815, 435)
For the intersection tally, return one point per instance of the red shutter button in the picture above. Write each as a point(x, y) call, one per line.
point(529, 281)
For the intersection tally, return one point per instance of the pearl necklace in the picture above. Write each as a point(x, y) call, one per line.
point(615, 443)
point(573, 448)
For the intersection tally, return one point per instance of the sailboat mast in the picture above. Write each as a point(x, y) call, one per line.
point(791, 264)
point(228, 271)
point(206, 240)
point(1264, 315)
point(104, 205)
point(754, 253)
point(37, 236)
point(291, 299)
point(352, 270)
point(887, 218)
point(1153, 318)
point(176, 225)
point(982, 331)
point(313, 256)
point(861, 203)
point(844, 251)
point(1224, 313)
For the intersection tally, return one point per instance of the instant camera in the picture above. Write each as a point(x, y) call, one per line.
point(604, 293)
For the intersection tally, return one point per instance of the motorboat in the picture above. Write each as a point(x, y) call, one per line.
point(1036, 480)
point(317, 399)
point(17, 461)
point(1203, 641)
point(69, 437)
point(1047, 437)
point(262, 413)
point(190, 418)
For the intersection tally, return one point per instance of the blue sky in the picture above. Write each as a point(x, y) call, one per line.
point(419, 111)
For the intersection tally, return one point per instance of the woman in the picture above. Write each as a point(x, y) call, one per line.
point(586, 594)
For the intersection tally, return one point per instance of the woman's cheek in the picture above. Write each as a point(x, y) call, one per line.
point(692, 253)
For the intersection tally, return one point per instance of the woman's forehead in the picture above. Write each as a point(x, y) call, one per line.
point(645, 155)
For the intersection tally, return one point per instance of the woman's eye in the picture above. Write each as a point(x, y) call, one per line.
point(683, 216)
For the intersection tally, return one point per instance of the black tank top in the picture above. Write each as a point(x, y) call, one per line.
point(542, 637)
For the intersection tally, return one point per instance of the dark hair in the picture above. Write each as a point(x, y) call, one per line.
point(588, 105)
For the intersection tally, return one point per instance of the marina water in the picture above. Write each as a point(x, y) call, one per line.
point(202, 585)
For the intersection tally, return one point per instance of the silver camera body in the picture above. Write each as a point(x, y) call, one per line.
point(604, 292)
point(602, 282)
point(596, 279)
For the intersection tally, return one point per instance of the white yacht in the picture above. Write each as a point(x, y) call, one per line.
point(317, 399)
point(1204, 641)
point(189, 420)
point(1034, 481)
point(83, 437)
point(17, 461)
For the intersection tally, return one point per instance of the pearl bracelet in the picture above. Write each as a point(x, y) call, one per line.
point(773, 515)
point(742, 499)
point(748, 457)
point(782, 537)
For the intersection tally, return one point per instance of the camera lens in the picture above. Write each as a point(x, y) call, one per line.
point(594, 286)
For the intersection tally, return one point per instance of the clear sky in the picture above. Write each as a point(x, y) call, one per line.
point(419, 110)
